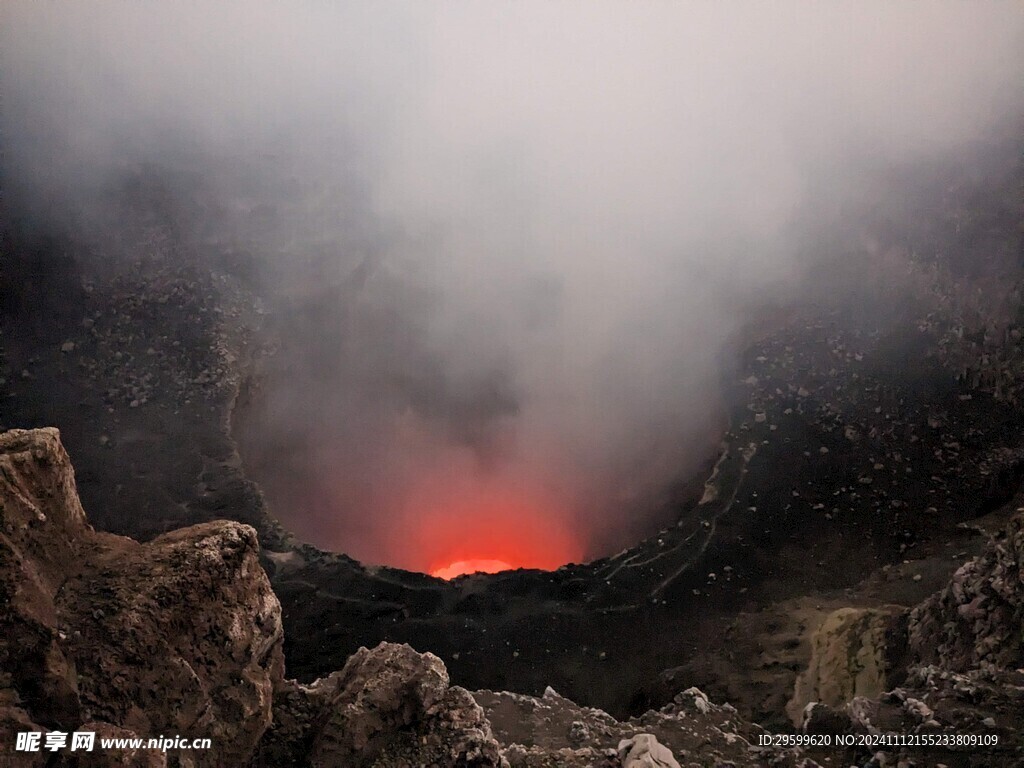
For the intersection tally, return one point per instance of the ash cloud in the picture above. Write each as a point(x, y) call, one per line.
point(505, 245)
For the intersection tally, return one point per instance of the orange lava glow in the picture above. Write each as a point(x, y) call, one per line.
point(462, 567)
point(468, 529)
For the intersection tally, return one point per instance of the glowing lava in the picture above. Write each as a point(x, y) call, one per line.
point(462, 567)
point(460, 523)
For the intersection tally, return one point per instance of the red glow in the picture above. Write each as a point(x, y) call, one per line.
point(462, 567)
point(467, 527)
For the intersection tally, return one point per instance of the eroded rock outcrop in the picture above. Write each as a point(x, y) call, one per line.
point(976, 619)
point(40, 542)
point(389, 706)
point(179, 636)
point(963, 673)
point(644, 751)
point(392, 690)
point(850, 656)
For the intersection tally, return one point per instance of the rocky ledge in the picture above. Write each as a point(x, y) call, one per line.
point(182, 636)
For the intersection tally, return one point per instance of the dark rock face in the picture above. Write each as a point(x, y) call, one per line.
point(389, 706)
point(43, 522)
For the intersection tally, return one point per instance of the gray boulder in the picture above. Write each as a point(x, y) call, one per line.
point(644, 751)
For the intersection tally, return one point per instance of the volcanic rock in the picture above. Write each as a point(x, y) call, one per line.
point(389, 706)
point(976, 619)
point(43, 525)
point(125, 757)
point(644, 751)
point(963, 672)
point(848, 658)
point(394, 707)
point(180, 636)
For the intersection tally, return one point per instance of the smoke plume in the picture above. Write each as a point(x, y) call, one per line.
point(505, 246)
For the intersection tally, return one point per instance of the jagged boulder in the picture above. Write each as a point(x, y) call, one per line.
point(179, 636)
point(124, 757)
point(976, 619)
point(389, 706)
point(42, 531)
point(394, 707)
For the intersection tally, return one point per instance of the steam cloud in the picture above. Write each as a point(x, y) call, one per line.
point(508, 242)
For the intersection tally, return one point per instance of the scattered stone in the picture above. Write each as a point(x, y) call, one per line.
point(578, 732)
point(644, 751)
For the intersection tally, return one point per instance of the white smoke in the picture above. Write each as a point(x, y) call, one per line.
point(586, 199)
